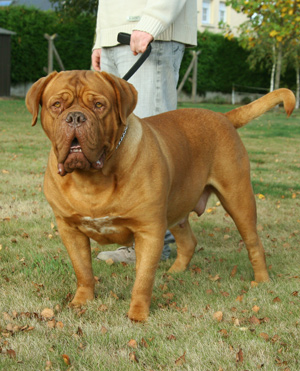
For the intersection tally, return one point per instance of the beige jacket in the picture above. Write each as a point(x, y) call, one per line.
point(165, 20)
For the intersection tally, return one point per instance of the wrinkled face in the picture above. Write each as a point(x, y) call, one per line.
point(84, 115)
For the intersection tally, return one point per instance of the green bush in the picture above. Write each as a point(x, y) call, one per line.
point(222, 63)
point(30, 48)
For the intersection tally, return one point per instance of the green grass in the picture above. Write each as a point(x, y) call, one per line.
point(181, 333)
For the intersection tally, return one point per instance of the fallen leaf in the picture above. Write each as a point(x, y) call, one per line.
point(239, 298)
point(103, 330)
point(214, 278)
point(254, 284)
point(168, 295)
point(254, 320)
point(114, 295)
point(261, 196)
point(48, 365)
point(11, 353)
point(240, 356)
point(132, 343)
point(47, 313)
point(255, 308)
point(224, 333)
point(233, 272)
point(51, 323)
point(79, 331)
point(218, 316)
point(133, 357)
point(225, 293)
point(264, 336)
point(144, 343)
point(181, 360)
point(171, 337)
point(109, 262)
point(103, 308)
point(66, 359)
point(59, 325)
point(276, 300)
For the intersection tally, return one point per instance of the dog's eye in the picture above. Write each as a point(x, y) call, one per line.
point(98, 105)
point(57, 104)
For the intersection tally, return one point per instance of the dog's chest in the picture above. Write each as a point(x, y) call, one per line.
point(104, 225)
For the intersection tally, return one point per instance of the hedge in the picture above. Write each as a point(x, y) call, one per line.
point(30, 48)
point(221, 63)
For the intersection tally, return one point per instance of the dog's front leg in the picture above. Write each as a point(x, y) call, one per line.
point(148, 248)
point(78, 247)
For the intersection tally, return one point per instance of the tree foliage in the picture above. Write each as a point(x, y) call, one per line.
point(271, 29)
point(73, 8)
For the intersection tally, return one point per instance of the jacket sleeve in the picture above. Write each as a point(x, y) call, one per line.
point(158, 15)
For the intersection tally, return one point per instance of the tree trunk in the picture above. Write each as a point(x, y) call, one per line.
point(273, 69)
point(272, 77)
point(278, 67)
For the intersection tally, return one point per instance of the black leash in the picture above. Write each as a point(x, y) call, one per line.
point(124, 38)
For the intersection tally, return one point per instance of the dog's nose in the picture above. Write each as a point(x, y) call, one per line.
point(75, 118)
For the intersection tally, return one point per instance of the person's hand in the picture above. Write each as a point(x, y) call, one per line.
point(139, 41)
point(96, 58)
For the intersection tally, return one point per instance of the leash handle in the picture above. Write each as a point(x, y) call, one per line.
point(124, 38)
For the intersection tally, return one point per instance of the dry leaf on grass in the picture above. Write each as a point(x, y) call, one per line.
point(218, 316)
point(181, 360)
point(103, 330)
point(66, 359)
point(171, 337)
point(240, 356)
point(132, 343)
point(47, 313)
point(133, 357)
point(255, 308)
point(264, 336)
point(233, 272)
point(254, 320)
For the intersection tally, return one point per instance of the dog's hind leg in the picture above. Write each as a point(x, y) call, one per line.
point(238, 200)
point(186, 243)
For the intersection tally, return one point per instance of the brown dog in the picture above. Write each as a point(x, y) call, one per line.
point(115, 178)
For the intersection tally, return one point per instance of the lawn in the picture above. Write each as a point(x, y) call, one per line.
point(211, 317)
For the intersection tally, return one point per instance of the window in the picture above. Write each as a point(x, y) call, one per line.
point(206, 5)
point(222, 12)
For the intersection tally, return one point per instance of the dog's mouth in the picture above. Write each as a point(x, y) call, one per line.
point(76, 160)
point(75, 146)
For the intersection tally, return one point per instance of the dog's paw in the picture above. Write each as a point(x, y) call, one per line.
point(138, 313)
point(81, 297)
point(262, 277)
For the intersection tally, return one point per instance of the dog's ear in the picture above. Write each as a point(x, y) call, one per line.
point(126, 95)
point(34, 95)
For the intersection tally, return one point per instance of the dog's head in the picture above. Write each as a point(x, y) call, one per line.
point(83, 113)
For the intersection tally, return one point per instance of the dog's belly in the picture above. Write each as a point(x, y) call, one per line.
point(106, 230)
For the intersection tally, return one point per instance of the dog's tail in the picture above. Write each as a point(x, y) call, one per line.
point(242, 115)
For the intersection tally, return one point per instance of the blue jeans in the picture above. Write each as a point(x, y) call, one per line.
point(156, 80)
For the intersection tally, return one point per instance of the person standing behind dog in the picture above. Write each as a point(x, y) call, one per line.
point(170, 26)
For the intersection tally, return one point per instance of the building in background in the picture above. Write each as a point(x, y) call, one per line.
point(212, 12)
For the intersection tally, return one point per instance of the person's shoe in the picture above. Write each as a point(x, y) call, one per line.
point(127, 254)
point(122, 254)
